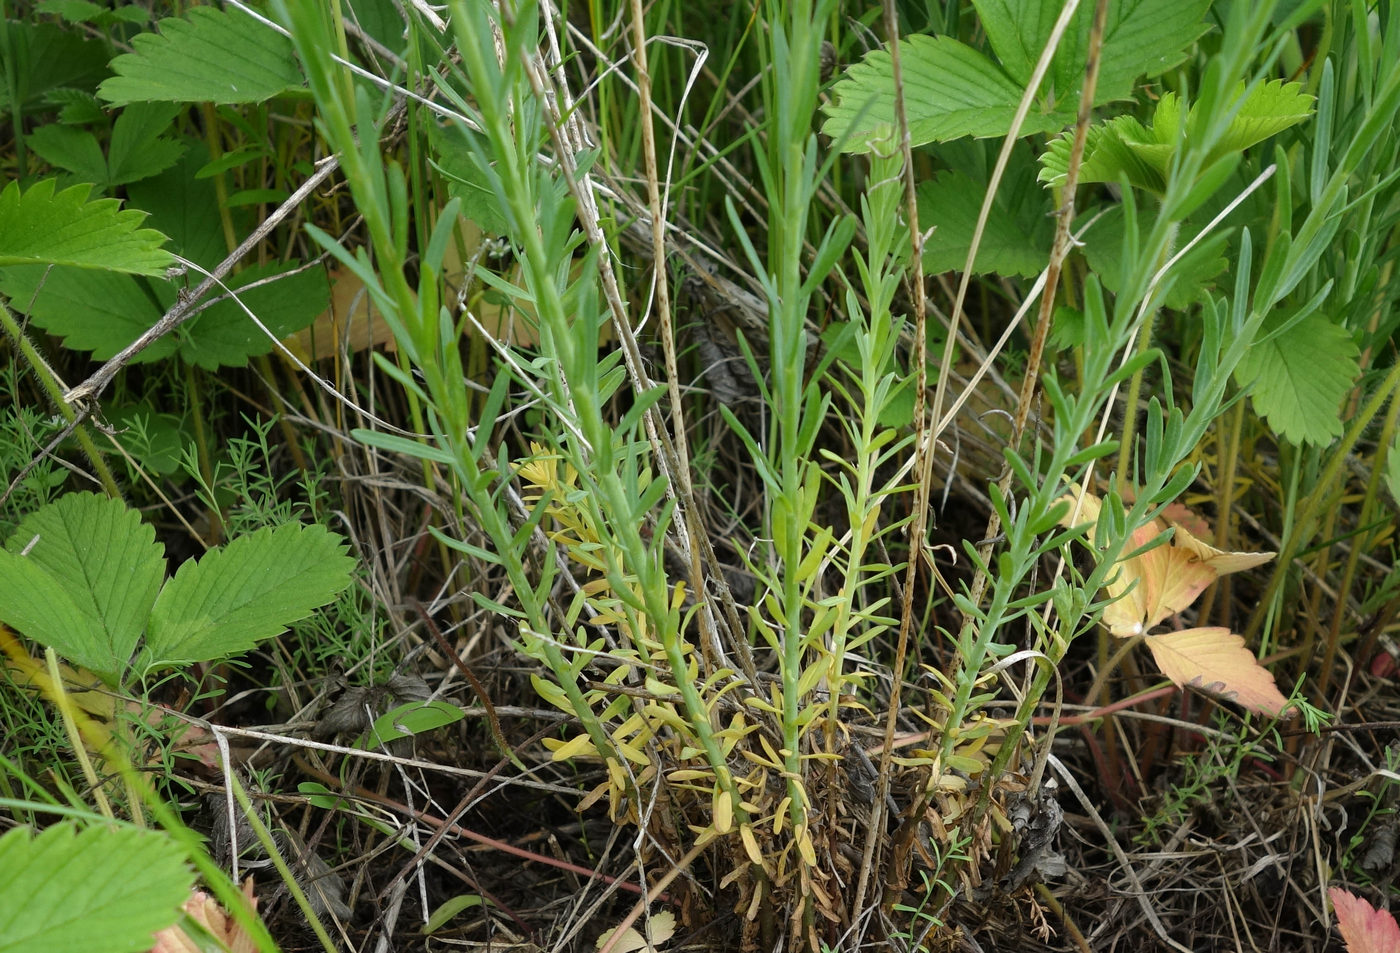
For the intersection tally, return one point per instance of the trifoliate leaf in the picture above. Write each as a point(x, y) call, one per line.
point(107, 560)
point(140, 148)
point(212, 56)
point(1124, 147)
point(1216, 660)
point(1300, 377)
point(43, 227)
point(65, 891)
point(246, 592)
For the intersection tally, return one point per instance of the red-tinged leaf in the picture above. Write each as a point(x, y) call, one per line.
point(1221, 561)
point(1364, 928)
point(1216, 660)
point(1179, 514)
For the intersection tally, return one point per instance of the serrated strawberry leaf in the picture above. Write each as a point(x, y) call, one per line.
point(1215, 659)
point(97, 311)
point(1300, 378)
point(106, 561)
point(211, 56)
point(1364, 929)
point(34, 603)
point(65, 890)
point(42, 226)
point(951, 90)
point(1124, 147)
point(250, 590)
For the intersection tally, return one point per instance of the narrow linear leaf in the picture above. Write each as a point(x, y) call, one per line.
point(66, 891)
point(42, 226)
point(212, 56)
point(1216, 660)
point(106, 559)
point(412, 718)
point(246, 592)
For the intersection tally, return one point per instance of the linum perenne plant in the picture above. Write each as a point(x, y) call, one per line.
point(655, 666)
point(664, 688)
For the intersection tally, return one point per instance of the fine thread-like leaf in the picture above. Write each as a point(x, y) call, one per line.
point(212, 56)
point(42, 226)
point(1300, 378)
point(108, 562)
point(69, 891)
point(251, 590)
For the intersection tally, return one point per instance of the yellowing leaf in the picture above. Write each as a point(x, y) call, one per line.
point(1364, 928)
point(580, 746)
point(751, 845)
point(1220, 560)
point(1168, 580)
point(1216, 660)
point(723, 810)
point(660, 927)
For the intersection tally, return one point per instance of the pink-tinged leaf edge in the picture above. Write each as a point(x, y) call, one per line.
point(1364, 928)
point(1216, 660)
